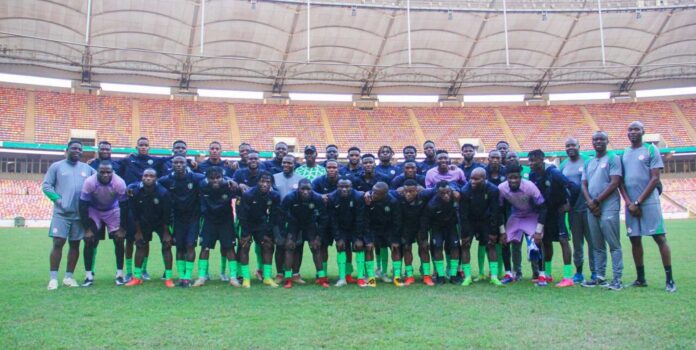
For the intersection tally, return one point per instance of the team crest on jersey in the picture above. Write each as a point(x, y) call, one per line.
point(311, 205)
point(603, 165)
point(190, 186)
point(294, 186)
point(351, 204)
point(269, 202)
point(83, 174)
point(502, 178)
point(581, 170)
point(641, 157)
point(548, 183)
point(149, 161)
point(393, 172)
point(387, 209)
point(225, 196)
point(526, 176)
point(156, 201)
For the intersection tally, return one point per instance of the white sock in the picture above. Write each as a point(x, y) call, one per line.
point(90, 275)
point(68, 275)
point(54, 275)
point(119, 273)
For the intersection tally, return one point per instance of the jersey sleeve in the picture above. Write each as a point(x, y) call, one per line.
point(87, 189)
point(615, 168)
point(48, 186)
point(655, 158)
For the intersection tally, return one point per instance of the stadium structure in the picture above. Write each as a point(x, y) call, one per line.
point(362, 73)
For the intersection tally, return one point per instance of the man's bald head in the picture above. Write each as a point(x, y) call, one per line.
point(636, 124)
point(479, 172)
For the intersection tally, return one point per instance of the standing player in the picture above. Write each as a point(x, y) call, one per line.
point(410, 172)
point(331, 154)
point(346, 210)
point(527, 215)
point(150, 209)
point(214, 159)
point(179, 148)
point(410, 153)
point(324, 185)
point(216, 195)
point(248, 176)
point(385, 168)
point(62, 185)
point(244, 151)
point(260, 217)
point(572, 168)
point(468, 162)
point(354, 166)
point(444, 172)
point(481, 218)
point(103, 204)
point(104, 153)
point(305, 216)
point(412, 203)
point(441, 215)
point(383, 220)
point(556, 190)
point(430, 161)
point(496, 175)
point(367, 178)
point(286, 182)
point(601, 177)
point(184, 192)
point(275, 165)
point(310, 170)
point(503, 147)
point(642, 163)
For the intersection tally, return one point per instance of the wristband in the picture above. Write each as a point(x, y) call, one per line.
point(540, 228)
point(501, 229)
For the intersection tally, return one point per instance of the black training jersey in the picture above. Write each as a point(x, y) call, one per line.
point(440, 214)
point(388, 172)
point(479, 205)
point(246, 177)
point(498, 179)
point(553, 185)
point(363, 184)
point(149, 206)
point(132, 167)
point(184, 193)
point(207, 164)
point(216, 204)
point(323, 184)
point(384, 216)
point(116, 165)
point(399, 180)
point(347, 214)
point(468, 169)
point(304, 213)
point(259, 211)
point(411, 212)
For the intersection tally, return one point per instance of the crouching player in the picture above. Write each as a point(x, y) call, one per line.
point(528, 210)
point(216, 195)
point(441, 215)
point(260, 218)
point(150, 209)
point(346, 209)
point(480, 217)
point(306, 219)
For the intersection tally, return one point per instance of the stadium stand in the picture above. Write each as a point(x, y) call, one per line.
point(259, 124)
point(682, 191)
point(13, 103)
point(23, 198)
point(688, 108)
point(371, 129)
point(446, 125)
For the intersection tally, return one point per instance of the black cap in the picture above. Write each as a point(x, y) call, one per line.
point(310, 148)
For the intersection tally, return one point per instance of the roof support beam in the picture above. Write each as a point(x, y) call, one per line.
point(86, 74)
point(546, 78)
point(187, 66)
point(279, 77)
point(627, 84)
point(458, 80)
point(369, 81)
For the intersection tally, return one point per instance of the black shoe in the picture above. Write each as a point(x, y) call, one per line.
point(119, 281)
point(595, 283)
point(639, 284)
point(670, 287)
point(441, 281)
point(184, 283)
point(615, 286)
point(456, 280)
point(88, 282)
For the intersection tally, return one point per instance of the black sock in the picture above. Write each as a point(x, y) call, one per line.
point(578, 269)
point(641, 273)
point(668, 273)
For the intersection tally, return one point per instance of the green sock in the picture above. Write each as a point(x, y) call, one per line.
point(223, 265)
point(349, 266)
point(239, 269)
point(397, 269)
point(467, 270)
point(499, 252)
point(426, 269)
point(233, 268)
point(325, 268)
point(360, 264)
point(245, 272)
point(138, 272)
point(440, 268)
point(189, 269)
point(494, 269)
point(321, 273)
point(94, 259)
point(568, 271)
point(288, 274)
point(145, 263)
point(370, 267)
point(341, 261)
point(481, 258)
point(129, 266)
point(409, 270)
point(547, 268)
point(384, 260)
point(448, 260)
point(267, 271)
point(453, 266)
point(259, 256)
point(168, 274)
point(181, 268)
point(202, 268)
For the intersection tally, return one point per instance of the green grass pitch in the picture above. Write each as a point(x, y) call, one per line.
point(217, 316)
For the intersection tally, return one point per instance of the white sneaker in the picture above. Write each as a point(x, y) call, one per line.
point(386, 279)
point(70, 282)
point(224, 277)
point(199, 282)
point(235, 283)
point(378, 273)
point(53, 284)
point(341, 283)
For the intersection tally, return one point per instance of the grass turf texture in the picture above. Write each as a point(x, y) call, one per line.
point(219, 316)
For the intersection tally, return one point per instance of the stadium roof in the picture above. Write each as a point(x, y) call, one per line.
point(370, 46)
